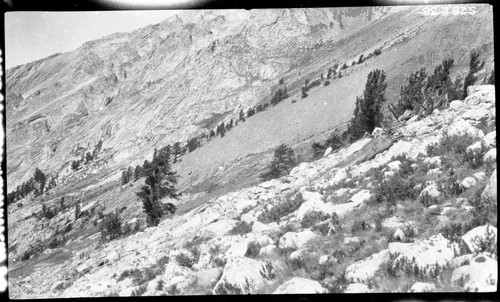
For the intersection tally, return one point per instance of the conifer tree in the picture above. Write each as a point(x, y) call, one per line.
point(242, 116)
point(77, 210)
point(222, 129)
point(368, 111)
point(40, 178)
point(160, 182)
point(283, 162)
point(137, 172)
point(474, 66)
point(176, 148)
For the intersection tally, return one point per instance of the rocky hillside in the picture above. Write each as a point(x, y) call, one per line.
point(166, 80)
point(419, 216)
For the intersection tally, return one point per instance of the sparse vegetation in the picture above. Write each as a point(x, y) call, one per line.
point(313, 217)
point(282, 208)
point(242, 227)
point(36, 185)
point(184, 260)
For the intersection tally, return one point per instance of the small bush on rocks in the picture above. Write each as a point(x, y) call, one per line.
point(283, 208)
point(451, 144)
point(253, 250)
point(134, 273)
point(313, 217)
point(474, 159)
point(359, 226)
point(395, 189)
point(184, 260)
point(242, 227)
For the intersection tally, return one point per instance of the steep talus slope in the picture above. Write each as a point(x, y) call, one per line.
point(212, 255)
point(162, 79)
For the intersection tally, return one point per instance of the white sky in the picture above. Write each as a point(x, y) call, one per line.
point(30, 36)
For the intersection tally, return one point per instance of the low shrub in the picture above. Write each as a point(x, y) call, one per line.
point(184, 260)
point(474, 159)
point(359, 226)
point(451, 144)
point(454, 230)
point(427, 200)
point(162, 262)
point(159, 285)
point(242, 227)
point(482, 211)
point(313, 217)
point(394, 189)
point(253, 250)
point(486, 244)
point(130, 273)
point(282, 208)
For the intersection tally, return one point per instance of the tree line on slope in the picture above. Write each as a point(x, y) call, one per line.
point(420, 95)
point(37, 184)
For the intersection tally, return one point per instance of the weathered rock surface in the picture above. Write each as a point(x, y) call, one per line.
point(481, 275)
point(300, 286)
point(243, 276)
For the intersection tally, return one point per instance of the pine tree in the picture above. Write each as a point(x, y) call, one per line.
point(75, 165)
point(193, 144)
point(491, 79)
point(88, 157)
point(304, 93)
point(474, 66)
point(242, 116)
point(77, 210)
point(125, 177)
point(176, 149)
point(146, 168)
point(368, 111)
point(40, 178)
point(411, 96)
point(329, 74)
point(160, 182)
point(283, 162)
point(361, 59)
point(137, 172)
point(222, 129)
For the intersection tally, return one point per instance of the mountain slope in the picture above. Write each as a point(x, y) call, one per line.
point(162, 79)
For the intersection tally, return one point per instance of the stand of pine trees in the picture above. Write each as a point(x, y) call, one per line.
point(36, 184)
